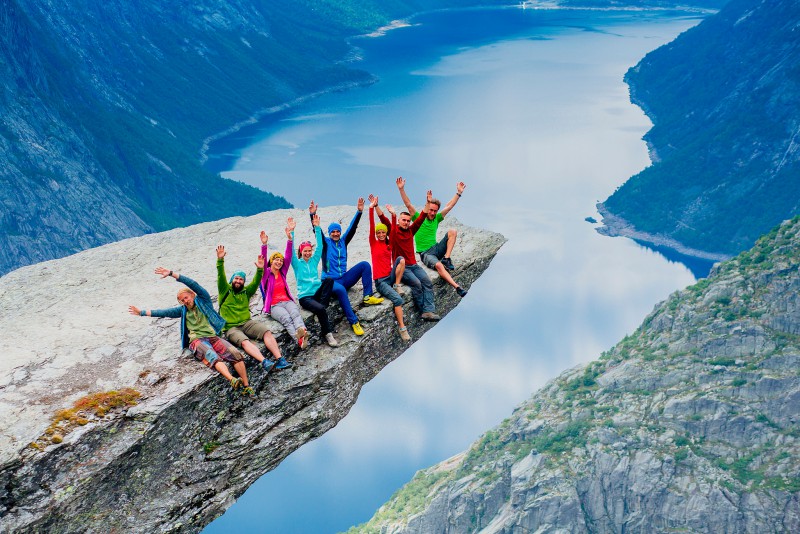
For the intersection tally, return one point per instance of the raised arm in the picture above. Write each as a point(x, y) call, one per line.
point(401, 186)
point(185, 280)
point(222, 280)
point(250, 289)
point(289, 252)
point(351, 230)
point(460, 186)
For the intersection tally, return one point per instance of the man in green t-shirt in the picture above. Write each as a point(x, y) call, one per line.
point(234, 307)
point(435, 254)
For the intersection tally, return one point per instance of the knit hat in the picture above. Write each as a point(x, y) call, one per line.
point(380, 227)
point(334, 226)
point(275, 255)
point(237, 273)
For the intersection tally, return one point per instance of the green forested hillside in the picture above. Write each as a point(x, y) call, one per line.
point(724, 101)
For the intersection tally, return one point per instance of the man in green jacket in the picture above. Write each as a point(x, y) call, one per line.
point(234, 307)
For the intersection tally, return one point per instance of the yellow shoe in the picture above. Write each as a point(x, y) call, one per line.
point(358, 330)
point(372, 299)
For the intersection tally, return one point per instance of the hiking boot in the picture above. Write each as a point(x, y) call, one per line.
point(248, 392)
point(282, 363)
point(369, 300)
point(461, 292)
point(448, 264)
point(302, 337)
point(268, 364)
point(404, 334)
point(330, 340)
point(236, 383)
point(357, 329)
point(430, 316)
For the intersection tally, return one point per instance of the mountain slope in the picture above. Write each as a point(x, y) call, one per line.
point(723, 98)
point(692, 423)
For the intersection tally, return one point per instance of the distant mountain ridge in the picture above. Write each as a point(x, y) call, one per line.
point(725, 101)
point(690, 424)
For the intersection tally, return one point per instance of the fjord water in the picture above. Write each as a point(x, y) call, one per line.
point(529, 109)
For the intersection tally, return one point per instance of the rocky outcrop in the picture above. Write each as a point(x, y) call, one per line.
point(105, 425)
point(723, 98)
point(690, 424)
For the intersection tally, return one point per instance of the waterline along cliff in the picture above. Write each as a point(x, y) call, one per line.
point(690, 424)
point(723, 98)
point(105, 426)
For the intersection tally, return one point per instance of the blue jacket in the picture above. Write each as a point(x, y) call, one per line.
point(203, 303)
point(334, 253)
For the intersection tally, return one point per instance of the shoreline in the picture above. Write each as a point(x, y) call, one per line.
point(616, 226)
point(264, 112)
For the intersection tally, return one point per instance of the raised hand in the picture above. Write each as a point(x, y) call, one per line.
point(373, 200)
point(264, 237)
point(161, 271)
point(429, 196)
point(460, 186)
point(360, 204)
point(133, 310)
point(260, 262)
point(390, 209)
point(315, 220)
point(312, 208)
point(220, 252)
point(401, 182)
point(291, 224)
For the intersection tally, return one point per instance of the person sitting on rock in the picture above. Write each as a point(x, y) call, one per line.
point(278, 300)
point(334, 264)
point(234, 307)
point(387, 271)
point(401, 239)
point(435, 255)
point(314, 294)
point(200, 329)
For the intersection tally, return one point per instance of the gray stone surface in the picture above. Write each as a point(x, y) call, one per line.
point(189, 447)
point(690, 424)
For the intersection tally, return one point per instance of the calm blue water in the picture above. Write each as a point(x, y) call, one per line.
point(529, 109)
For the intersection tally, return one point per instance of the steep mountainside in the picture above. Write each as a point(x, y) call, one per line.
point(690, 424)
point(106, 427)
point(725, 101)
point(105, 107)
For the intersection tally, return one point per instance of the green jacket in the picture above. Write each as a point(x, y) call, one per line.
point(235, 307)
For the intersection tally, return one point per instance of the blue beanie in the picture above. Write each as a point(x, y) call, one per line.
point(334, 226)
point(238, 273)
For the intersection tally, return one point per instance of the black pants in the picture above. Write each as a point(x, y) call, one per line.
point(318, 304)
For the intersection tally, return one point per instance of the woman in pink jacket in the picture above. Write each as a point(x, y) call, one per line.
point(278, 300)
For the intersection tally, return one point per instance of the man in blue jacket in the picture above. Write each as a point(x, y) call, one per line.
point(334, 261)
point(200, 329)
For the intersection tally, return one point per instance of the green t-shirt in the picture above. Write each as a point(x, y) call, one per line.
point(426, 235)
point(198, 325)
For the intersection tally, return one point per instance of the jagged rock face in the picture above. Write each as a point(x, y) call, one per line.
point(190, 446)
point(689, 424)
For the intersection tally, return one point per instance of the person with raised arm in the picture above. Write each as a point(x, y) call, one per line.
point(334, 265)
point(386, 269)
point(435, 255)
point(200, 329)
point(278, 300)
point(314, 294)
point(234, 307)
point(401, 238)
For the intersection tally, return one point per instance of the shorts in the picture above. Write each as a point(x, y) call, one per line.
point(209, 349)
point(434, 255)
point(251, 329)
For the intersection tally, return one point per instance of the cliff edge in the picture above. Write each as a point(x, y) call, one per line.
point(106, 426)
